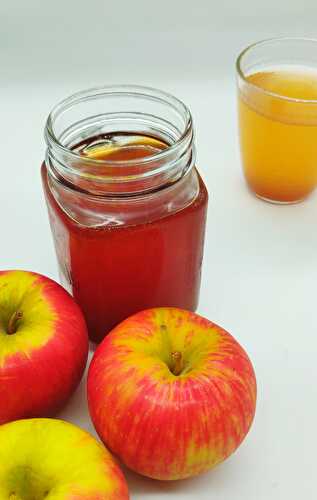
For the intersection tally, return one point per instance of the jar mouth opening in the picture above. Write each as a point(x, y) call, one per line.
point(138, 91)
point(244, 76)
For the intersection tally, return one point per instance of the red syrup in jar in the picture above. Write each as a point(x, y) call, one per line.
point(115, 270)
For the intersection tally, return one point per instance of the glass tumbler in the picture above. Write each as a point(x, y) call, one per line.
point(277, 110)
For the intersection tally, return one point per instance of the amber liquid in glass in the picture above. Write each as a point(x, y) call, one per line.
point(278, 136)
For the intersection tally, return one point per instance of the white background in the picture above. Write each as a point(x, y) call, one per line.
point(260, 268)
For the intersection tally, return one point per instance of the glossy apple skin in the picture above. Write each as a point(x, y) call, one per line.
point(48, 458)
point(161, 425)
point(43, 362)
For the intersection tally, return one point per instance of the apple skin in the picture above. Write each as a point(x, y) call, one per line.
point(168, 426)
point(52, 459)
point(43, 362)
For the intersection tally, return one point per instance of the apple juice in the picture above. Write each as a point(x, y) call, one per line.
point(278, 133)
point(115, 268)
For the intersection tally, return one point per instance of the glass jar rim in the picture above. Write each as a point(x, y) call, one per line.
point(267, 41)
point(120, 89)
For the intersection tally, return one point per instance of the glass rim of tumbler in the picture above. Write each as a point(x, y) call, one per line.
point(268, 41)
point(138, 91)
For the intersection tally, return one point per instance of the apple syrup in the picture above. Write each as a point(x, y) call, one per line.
point(116, 270)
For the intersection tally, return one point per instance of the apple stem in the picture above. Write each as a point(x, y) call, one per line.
point(178, 362)
point(12, 325)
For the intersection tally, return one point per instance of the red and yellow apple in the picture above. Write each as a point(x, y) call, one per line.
point(170, 393)
point(51, 459)
point(43, 345)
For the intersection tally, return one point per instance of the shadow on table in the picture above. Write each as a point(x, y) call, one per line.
point(142, 485)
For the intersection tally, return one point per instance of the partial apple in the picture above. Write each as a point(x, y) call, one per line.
point(51, 459)
point(171, 393)
point(43, 346)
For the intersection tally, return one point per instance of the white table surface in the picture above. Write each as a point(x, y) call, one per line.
point(260, 265)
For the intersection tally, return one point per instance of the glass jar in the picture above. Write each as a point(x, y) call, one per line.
point(126, 205)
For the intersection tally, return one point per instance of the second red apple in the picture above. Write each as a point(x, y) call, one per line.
point(43, 346)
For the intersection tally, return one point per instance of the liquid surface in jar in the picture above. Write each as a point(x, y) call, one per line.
point(278, 135)
point(115, 271)
point(120, 146)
